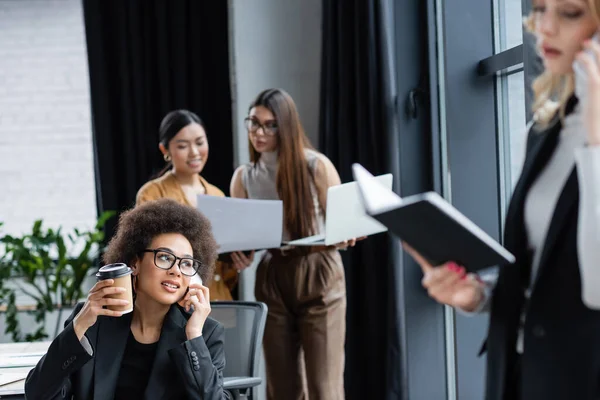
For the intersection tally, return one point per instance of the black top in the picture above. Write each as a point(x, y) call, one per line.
point(135, 369)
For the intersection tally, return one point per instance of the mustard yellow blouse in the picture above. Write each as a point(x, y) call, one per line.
point(225, 276)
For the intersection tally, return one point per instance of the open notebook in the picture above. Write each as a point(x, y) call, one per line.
point(345, 216)
point(430, 225)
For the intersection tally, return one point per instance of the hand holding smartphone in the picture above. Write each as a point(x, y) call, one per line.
point(581, 78)
point(586, 71)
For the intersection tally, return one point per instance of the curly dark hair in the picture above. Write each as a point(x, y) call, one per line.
point(138, 226)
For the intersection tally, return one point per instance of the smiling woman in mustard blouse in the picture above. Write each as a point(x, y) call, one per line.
point(184, 146)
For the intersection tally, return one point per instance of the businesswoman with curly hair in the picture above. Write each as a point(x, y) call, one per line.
point(159, 350)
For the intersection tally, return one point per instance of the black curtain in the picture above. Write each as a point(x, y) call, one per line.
point(356, 126)
point(146, 58)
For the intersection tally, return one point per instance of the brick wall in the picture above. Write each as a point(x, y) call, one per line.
point(46, 161)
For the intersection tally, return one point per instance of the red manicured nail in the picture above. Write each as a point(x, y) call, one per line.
point(454, 267)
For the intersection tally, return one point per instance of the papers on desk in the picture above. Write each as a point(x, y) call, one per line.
point(20, 360)
point(11, 377)
point(16, 360)
point(243, 224)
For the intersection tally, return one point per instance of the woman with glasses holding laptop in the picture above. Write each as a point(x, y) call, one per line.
point(159, 350)
point(184, 145)
point(303, 287)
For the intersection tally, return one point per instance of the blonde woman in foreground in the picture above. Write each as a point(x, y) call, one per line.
point(544, 333)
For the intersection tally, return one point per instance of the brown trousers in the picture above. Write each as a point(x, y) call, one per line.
point(306, 325)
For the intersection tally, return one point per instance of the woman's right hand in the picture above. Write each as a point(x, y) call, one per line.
point(93, 306)
point(241, 261)
point(449, 283)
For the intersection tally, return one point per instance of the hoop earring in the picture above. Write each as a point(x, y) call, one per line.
point(167, 157)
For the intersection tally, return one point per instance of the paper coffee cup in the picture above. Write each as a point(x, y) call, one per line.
point(121, 274)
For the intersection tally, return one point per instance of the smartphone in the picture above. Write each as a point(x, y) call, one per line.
point(581, 79)
point(196, 279)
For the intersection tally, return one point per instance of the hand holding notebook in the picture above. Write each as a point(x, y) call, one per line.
point(431, 226)
point(450, 284)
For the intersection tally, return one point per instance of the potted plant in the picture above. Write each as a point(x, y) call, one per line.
point(48, 269)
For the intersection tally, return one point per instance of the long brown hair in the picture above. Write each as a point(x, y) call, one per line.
point(294, 177)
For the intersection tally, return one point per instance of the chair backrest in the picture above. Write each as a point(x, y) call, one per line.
point(244, 324)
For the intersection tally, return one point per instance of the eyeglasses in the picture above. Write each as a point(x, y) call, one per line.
point(269, 128)
point(164, 259)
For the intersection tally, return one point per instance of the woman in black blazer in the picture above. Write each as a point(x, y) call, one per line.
point(158, 351)
point(544, 334)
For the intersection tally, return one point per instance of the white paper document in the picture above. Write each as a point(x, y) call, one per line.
point(376, 197)
point(243, 224)
point(346, 217)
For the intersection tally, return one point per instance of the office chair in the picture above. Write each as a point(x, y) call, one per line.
point(244, 324)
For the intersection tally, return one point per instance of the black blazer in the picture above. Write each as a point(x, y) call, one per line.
point(561, 335)
point(182, 369)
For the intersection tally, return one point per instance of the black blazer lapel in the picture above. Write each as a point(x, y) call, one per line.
point(567, 201)
point(172, 335)
point(568, 197)
point(540, 146)
point(515, 236)
point(111, 341)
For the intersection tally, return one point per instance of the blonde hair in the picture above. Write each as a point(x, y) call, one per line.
point(552, 92)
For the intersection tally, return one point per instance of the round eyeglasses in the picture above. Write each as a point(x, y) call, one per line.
point(269, 128)
point(164, 259)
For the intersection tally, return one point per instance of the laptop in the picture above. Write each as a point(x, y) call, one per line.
point(346, 217)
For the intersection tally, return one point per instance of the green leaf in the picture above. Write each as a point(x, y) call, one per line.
point(37, 227)
point(53, 264)
point(12, 321)
point(103, 218)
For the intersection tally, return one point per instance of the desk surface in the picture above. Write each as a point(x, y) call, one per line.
point(16, 360)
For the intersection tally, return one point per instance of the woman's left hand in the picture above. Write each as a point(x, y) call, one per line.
point(348, 243)
point(198, 296)
point(591, 115)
